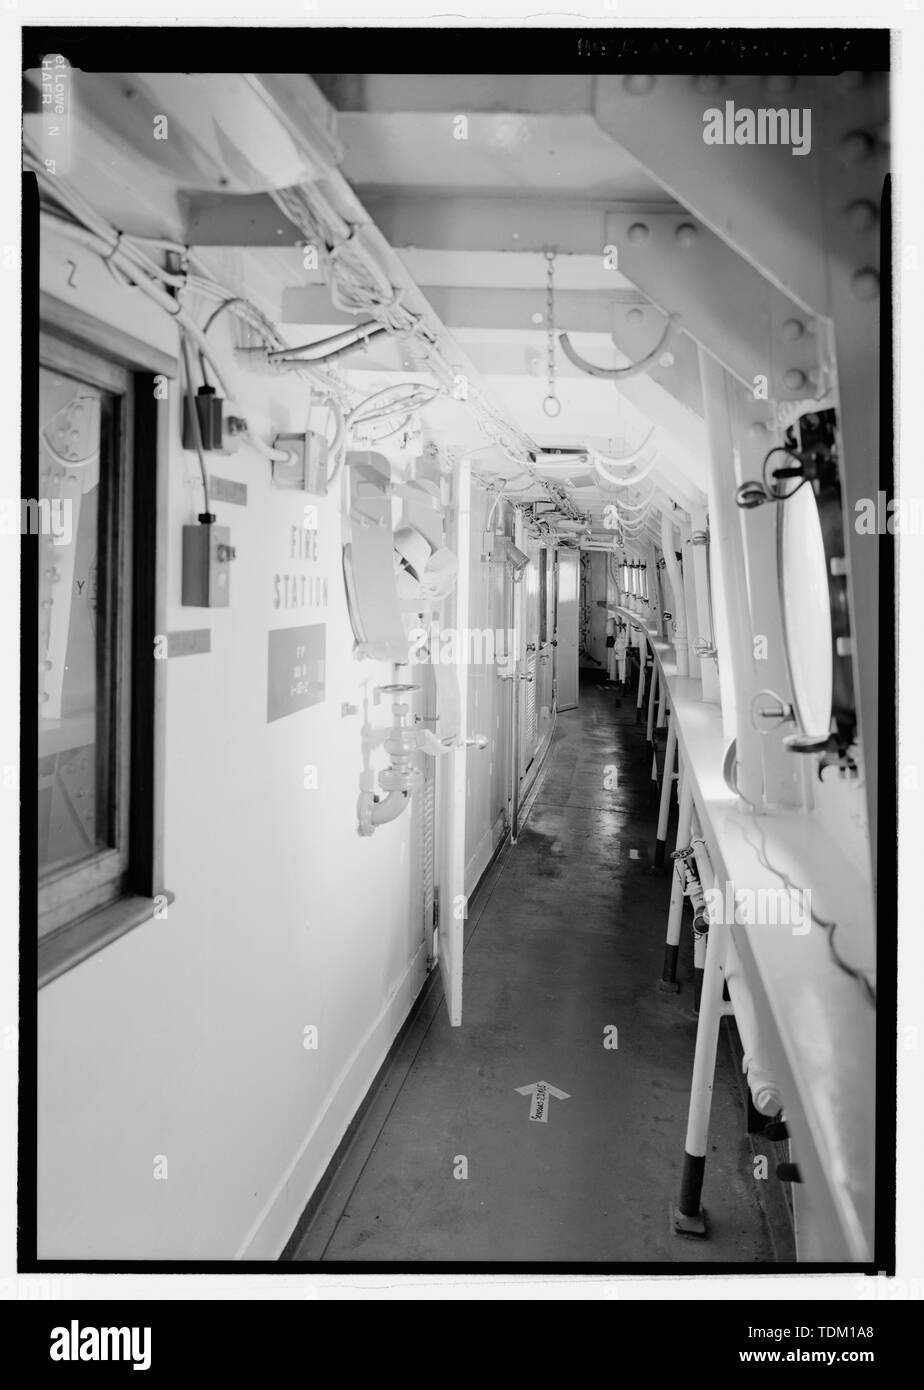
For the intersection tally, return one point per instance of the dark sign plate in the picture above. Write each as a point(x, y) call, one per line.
point(189, 642)
point(295, 669)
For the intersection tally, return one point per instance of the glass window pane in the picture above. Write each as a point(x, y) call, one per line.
point(74, 800)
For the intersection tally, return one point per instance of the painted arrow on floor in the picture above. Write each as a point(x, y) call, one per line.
point(541, 1093)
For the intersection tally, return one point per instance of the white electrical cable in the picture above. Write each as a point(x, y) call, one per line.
point(602, 471)
point(622, 506)
point(625, 460)
point(359, 285)
point(119, 252)
point(357, 282)
point(149, 287)
point(336, 447)
point(419, 395)
point(636, 527)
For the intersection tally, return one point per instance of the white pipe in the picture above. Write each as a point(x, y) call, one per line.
point(652, 696)
point(733, 623)
point(764, 1089)
point(709, 673)
point(625, 460)
point(642, 656)
point(613, 481)
point(684, 822)
point(711, 1011)
point(667, 781)
point(688, 584)
point(329, 347)
point(273, 455)
point(655, 596)
point(672, 570)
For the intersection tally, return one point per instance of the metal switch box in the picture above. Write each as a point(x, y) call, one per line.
point(207, 556)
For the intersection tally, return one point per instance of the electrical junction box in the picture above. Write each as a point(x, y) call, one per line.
point(207, 556)
point(306, 471)
point(209, 408)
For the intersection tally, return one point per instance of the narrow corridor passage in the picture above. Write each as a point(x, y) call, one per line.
point(565, 945)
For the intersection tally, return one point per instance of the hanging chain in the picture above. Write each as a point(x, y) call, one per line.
point(551, 405)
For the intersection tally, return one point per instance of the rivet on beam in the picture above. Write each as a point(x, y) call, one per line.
point(638, 233)
point(634, 315)
point(708, 84)
point(794, 380)
point(639, 84)
point(686, 234)
point(861, 215)
point(792, 329)
point(865, 284)
point(779, 84)
point(856, 147)
point(758, 430)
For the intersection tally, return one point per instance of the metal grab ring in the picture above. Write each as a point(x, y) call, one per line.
point(782, 715)
point(551, 401)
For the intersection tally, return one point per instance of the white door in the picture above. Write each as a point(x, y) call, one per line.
point(566, 653)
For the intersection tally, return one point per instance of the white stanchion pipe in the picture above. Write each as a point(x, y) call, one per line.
point(667, 782)
point(737, 677)
point(652, 696)
point(688, 1215)
point(688, 583)
point(675, 910)
point(705, 619)
point(678, 602)
point(642, 658)
point(763, 1087)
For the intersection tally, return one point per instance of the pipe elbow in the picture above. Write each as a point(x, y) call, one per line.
point(373, 813)
point(390, 807)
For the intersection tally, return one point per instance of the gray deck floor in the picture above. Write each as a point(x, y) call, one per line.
point(566, 940)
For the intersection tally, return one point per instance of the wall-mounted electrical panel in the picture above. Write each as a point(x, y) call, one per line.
point(306, 468)
point(207, 556)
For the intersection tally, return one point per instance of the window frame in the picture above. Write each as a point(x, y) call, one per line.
point(99, 878)
point(85, 906)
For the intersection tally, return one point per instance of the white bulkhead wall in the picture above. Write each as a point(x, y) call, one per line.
point(185, 1039)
